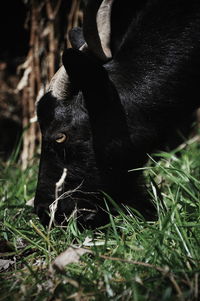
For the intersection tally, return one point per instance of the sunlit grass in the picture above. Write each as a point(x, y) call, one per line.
point(131, 259)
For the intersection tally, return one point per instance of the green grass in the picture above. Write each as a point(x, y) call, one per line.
point(130, 259)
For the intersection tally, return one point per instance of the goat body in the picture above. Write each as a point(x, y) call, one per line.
point(115, 109)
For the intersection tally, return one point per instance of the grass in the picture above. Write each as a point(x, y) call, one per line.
point(129, 259)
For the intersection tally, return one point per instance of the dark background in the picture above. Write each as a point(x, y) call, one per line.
point(19, 21)
point(14, 39)
point(14, 36)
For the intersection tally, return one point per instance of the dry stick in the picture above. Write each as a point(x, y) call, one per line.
point(28, 95)
point(76, 15)
point(53, 42)
point(33, 84)
point(165, 272)
point(24, 122)
point(38, 84)
point(56, 9)
point(31, 110)
point(36, 52)
point(50, 16)
point(25, 114)
point(148, 265)
point(33, 78)
point(196, 286)
point(73, 12)
point(192, 140)
point(51, 13)
point(176, 286)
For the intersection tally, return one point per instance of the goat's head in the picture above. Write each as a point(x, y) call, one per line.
point(69, 116)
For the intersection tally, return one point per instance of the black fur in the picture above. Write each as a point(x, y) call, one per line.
point(121, 111)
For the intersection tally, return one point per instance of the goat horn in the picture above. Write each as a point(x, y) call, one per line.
point(104, 26)
point(60, 84)
point(96, 27)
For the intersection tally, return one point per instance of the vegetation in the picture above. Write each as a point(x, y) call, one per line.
point(129, 259)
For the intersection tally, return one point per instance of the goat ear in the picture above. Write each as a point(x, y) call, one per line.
point(89, 76)
point(76, 37)
point(83, 69)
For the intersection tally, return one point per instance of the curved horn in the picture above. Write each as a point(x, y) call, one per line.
point(97, 29)
point(60, 84)
point(104, 26)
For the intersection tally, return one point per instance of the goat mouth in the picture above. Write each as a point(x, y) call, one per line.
point(61, 211)
point(82, 211)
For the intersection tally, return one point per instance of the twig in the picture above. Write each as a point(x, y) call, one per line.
point(194, 139)
point(164, 271)
point(54, 205)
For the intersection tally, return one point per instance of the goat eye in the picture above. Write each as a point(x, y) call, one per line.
point(61, 138)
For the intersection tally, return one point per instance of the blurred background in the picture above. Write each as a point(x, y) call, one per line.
point(33, 34)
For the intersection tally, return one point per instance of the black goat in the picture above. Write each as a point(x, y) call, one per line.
point(108, 107)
